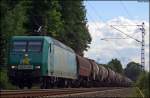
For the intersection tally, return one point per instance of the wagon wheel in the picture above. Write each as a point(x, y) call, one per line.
point(44, 84)
point(29, 85)
point(21, 86)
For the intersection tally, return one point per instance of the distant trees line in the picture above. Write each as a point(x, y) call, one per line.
point(133, 71)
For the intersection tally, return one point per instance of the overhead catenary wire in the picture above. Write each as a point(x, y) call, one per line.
point(93, 21)
point(117, 52)
point(94, 10)
point(116, 25)
point(113, 38)
point(126, 10)
point(128, 14)
point(90, 16)
point(124, 25)
point(142, 43)
point(113, 25)
point(125, 34)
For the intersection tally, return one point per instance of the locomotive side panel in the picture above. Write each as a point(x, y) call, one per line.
point(64, 63)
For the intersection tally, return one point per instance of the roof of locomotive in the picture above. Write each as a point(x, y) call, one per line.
point(47, 38)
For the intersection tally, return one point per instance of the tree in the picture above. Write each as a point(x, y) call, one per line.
point(76, 33)
point(45, 13)
point(133, 70)
point(115, 65)
point(13, 17)
point(54, 23)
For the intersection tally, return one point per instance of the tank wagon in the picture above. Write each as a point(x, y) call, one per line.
point(84, 70)
point(44, 60)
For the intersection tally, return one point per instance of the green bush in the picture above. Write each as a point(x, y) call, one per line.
point(4, 81)
point(143, 83)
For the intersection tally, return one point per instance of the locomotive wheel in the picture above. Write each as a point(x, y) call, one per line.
point(21, 86)
point(66, 83)
point(44, 84)
point(29, 86)
point(60, 83)
point(84, 83)
point(47, 83)
point(42, 87)
point(78, 84)
point(69, 84)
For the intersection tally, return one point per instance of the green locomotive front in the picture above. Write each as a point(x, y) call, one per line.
point(40, 59)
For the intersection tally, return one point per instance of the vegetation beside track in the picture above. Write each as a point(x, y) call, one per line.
point(4, 81)
point(142, 85)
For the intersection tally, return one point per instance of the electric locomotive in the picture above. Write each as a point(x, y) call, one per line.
point(40, 59)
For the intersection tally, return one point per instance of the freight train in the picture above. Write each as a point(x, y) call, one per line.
point(44, 60)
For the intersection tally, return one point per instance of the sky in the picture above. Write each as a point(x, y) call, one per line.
point(101, 15)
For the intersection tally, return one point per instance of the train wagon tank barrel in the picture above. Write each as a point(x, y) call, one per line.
point(103, 73)
point(95, 69)
point(84, 66)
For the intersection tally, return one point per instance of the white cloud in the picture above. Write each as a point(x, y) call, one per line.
point(124, 49)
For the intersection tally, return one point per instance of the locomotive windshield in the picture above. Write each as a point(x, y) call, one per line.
point(27, 46)
point(19, 46)
point(34, 46)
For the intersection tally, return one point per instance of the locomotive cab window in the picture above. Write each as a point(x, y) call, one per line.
point(19, 46)
point(34, 46)
point(50, 48)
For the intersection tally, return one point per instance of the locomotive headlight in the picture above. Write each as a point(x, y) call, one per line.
point(25, 54)
point(13, 67)
point(37, 67)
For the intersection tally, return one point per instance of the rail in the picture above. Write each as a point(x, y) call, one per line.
point(48, 92)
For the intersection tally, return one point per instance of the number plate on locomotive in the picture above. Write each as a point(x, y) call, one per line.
point(25, 66)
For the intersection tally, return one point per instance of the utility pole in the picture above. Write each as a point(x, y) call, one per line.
point(141, 27)
point(143, 46)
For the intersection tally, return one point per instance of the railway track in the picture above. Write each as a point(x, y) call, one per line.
point(40, 93)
